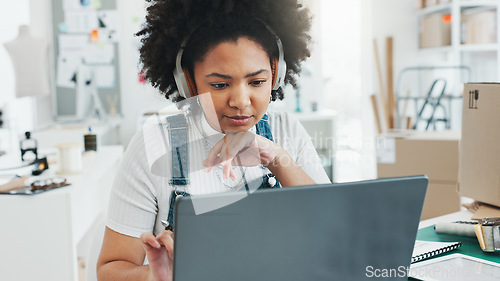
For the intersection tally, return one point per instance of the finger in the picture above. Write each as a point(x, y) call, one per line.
point(166, 239)
point(236, 142)
point(226, 169)
point(149, 240)
point(232, 175)
point(212, 154)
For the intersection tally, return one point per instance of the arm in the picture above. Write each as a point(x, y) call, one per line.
point(122, 257)
point(286, 170)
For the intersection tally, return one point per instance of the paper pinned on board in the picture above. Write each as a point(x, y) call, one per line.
point(104, 75)
point(81, 21)
point(108, 19)
point(386, 150)
point(108, 25)
point(72, 44)
point(66, 70)
point(78, 5)
point(100, 53)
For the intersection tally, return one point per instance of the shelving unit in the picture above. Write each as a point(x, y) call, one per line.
point(482, 61)
point(456, 52)
point(321, 127)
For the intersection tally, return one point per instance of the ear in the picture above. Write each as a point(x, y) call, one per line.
point(190, 82)
point(274, 70)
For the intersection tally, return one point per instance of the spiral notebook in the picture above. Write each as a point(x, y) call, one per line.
point(427, 249)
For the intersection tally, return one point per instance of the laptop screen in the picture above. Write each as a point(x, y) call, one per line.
point(321, 232)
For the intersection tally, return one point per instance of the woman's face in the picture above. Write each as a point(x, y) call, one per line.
point(238, 77)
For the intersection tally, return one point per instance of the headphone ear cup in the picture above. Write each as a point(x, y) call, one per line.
point(274, 70)
point(190, 83)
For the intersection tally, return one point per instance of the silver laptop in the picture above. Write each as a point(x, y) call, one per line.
point(348, 231)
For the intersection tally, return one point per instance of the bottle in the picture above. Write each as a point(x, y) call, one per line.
point(29, 148)
point(90, 140)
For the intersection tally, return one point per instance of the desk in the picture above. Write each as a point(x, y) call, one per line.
point(40, 233)
point(108, 133)
point(457, 216)
point(469, 247)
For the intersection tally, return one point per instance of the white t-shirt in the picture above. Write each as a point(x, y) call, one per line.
point(141, 191)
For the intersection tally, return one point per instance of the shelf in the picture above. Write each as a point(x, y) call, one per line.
point(462, 48)
point(445, 7)
point(477, 3)
point(443, 49)
point(479, 47)
point(324, 114)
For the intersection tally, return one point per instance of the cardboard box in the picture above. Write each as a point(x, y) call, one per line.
point(440, 199)
point(480, 27)
point(434, 154)
point(479, 172)
point(419, 4)
point(429, 3)
point(435, 31)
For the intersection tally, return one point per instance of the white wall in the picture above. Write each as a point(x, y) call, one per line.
point(381, 19)
point(17, 113)
point(135, 97)
point(396, 18)
point(22, 113)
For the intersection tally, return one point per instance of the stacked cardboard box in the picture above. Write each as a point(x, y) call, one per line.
point(479, 175)
point(435, 31)
point(480, 27)
point(434, 154)
point(427, 3)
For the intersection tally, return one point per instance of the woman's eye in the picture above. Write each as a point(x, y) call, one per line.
point(219, 85)
point(258, 82)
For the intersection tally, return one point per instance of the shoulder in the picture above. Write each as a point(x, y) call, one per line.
point(284, 122)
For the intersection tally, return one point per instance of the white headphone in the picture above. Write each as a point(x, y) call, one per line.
point(185, 85)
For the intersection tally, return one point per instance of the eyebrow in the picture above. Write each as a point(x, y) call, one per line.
point(224, 76)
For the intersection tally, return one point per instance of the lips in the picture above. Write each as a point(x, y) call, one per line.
point(238, 120)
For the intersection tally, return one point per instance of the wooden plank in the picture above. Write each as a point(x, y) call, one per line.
point(409, 123)
point(391, 102)
point(384, 114)
point(376, 114)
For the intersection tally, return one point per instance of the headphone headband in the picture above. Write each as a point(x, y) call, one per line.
point(183, 85)
point(281, 68)
point(179, 76)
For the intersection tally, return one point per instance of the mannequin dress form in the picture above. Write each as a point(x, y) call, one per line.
point(29, 57)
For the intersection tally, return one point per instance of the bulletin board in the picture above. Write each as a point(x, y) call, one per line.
point(85, 31)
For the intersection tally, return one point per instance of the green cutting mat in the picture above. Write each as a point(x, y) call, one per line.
point(470, 245)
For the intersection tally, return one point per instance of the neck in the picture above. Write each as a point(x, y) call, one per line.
point(24, 30)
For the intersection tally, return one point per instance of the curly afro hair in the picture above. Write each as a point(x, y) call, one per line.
point(206, 23)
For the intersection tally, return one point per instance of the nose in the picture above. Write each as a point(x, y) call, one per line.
point(240, 97)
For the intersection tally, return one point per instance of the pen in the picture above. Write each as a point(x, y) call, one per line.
point(167, 225)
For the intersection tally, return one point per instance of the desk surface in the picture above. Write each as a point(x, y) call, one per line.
point(457, 216)
point(43, 230)
point(470, 246)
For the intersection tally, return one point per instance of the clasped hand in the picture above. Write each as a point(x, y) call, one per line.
point(240, 148)
point(159, 251)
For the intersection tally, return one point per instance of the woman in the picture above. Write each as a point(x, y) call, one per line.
point(232, 54)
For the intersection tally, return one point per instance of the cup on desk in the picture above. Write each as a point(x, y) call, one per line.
point(70, 158)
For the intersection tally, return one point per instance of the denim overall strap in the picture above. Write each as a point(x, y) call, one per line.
point(170, 218)
point(263, 129)
point(179, 148)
